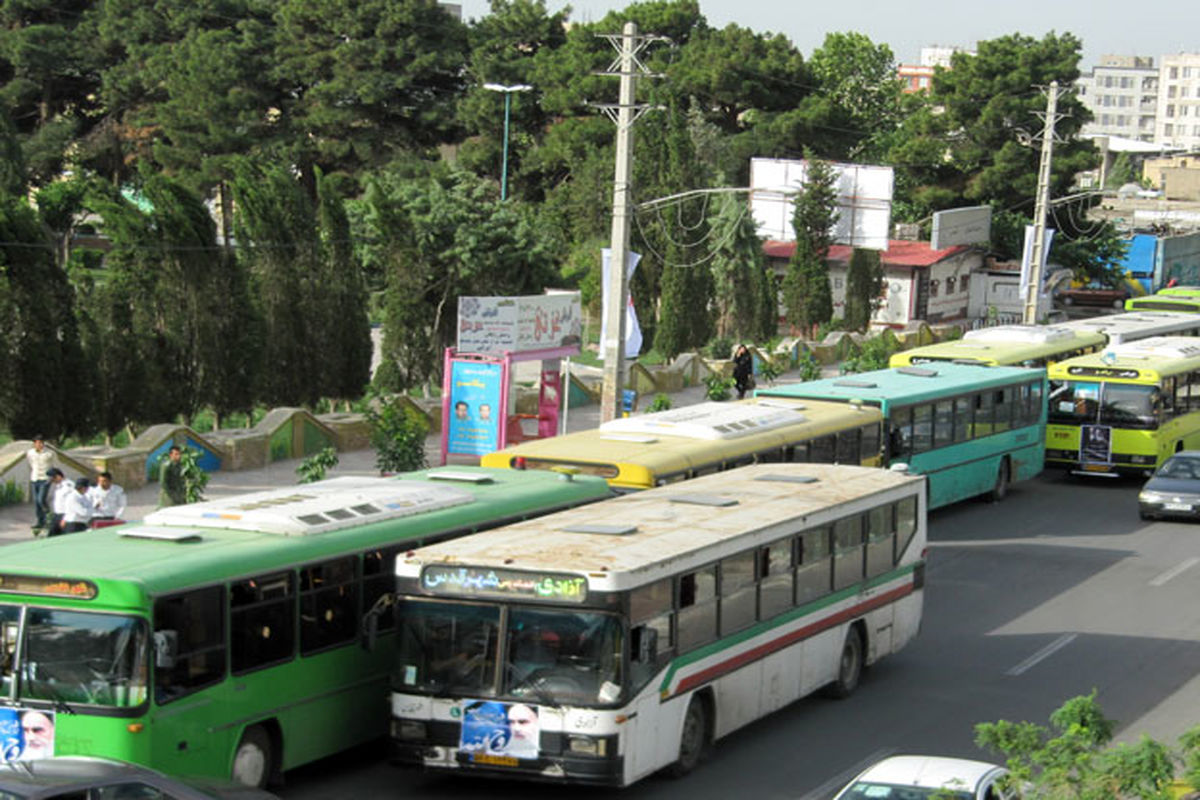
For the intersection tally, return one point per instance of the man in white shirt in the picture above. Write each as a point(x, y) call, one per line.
point(107, 498)
point(40, 459)
point(58, 492)
point(77, 514)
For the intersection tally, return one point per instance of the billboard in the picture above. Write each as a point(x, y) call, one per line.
point(864, 201)
point(495, 325)
point(961, 226)
point(474, 421)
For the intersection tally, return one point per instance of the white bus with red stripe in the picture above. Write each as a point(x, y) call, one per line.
point(602, 644)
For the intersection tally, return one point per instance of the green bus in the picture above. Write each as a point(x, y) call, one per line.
point(969, 429)
point(226, 638)
point(1186, 303)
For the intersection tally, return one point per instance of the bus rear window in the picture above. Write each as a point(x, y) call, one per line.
point(585, 468)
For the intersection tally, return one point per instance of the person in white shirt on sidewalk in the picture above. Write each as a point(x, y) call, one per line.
point(40, 459)
point(60, 489)
point(77, 514)
point(107, 498)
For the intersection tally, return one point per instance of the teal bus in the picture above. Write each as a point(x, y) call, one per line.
point(227, 638)
point(969, 429)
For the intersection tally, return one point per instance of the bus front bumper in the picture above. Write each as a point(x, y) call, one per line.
point(596, 771)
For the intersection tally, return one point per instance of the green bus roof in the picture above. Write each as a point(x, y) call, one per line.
point(206, 542)
point(1004, 345)
point(905, 385)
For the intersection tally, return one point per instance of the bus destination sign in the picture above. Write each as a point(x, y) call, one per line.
point(503, 583)
point(50, 587)
point(1104, 372)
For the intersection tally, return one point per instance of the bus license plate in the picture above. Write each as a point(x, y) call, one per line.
point(1177, 506)
point(1096, 467)
point(495, 761)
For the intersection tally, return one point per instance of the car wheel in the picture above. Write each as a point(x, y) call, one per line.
point(693, 739)
point(1119, 304)
point(252, 762)
point(1068, 300)
point(1146, 515)
point(850, 666)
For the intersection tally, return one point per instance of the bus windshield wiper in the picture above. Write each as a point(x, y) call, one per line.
point(544, 697)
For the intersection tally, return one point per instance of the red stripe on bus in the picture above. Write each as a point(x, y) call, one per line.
point(765, 649)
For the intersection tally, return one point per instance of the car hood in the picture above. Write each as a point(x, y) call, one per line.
point(1172, 486)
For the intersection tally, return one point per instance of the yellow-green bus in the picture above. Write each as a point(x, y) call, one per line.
point(1125, 410)
point(1189, 304)
point(1007, 346)
point(649, 450)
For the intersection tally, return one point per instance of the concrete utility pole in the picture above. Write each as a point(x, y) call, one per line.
point(624, 114)
point(1042, 204)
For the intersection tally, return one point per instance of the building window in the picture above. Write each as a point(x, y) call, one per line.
point(950, 284)
point(964, 283)
point(837, 283)
point(1173, 73)
point(1170, 110)
point(1171, 92)
point(933, 287)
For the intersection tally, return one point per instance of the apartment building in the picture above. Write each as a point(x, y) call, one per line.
point(1122, 92)
point(1178, 123)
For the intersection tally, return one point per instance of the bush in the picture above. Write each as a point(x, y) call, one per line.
point(11, 494)
point(719, 348)
point(826, 328)
point(397, 435)
point(661, 402)
point(718, 387)
point(809, 368)
point(315, 466)
point(773, 367)
point(874, 354)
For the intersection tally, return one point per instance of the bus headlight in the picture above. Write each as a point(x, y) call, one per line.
point(586, 745)
point(409, 729)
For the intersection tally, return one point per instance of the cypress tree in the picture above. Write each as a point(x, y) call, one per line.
point(864, 282)
point(347, 344)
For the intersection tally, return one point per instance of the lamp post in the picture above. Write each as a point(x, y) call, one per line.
point(507, 91)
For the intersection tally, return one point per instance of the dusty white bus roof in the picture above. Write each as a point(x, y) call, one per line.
point(708, 420)
point(634, 538)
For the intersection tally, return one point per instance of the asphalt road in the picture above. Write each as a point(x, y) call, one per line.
point(1057, 591)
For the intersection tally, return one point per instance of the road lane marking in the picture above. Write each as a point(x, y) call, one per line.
point(1043, 654)
point(829, 787)
point(1175, 571)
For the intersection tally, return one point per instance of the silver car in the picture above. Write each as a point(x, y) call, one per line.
point(929, 778)
point(78, 777)
point(1174, 488)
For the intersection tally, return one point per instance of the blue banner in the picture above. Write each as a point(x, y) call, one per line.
point(474, 425)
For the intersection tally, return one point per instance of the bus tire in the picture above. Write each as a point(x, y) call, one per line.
point(253, 761)
point(1000, 490)
point(693, 738)
point(850, 666)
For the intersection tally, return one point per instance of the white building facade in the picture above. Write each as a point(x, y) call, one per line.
point(1122, 94)
point(1178, 122)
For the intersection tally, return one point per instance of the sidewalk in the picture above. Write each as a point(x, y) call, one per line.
point(16, 521)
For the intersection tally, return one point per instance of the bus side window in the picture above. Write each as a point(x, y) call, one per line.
point(906, 525)
point(943, 423)
point(262, 618)
point(799, 453)
point(775, 576)
point(900, 435)
point(697, 617)
point(870, 443)
point(1035, 399)
point(922, 428)
point(881, 540)
point(822, 450)
point(814, 568)
point(984, 403)
point(328, 604)
point(739, 594)
point(847, 447)
point(651, 611)
point(847, 552)
point(963, 406)
point(1004, 409)
point(379, 579)
point(189, 635)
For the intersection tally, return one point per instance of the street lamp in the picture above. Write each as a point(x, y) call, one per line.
point(508, 93)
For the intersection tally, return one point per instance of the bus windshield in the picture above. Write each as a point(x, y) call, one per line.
point(77, 657)
point(1088, 402)
point(552, 656)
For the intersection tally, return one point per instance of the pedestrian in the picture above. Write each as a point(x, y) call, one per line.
point(40, 459)
point(59, 491)
point(78, 508)
point(172, 488)
point(108, 498)
point(743, 370)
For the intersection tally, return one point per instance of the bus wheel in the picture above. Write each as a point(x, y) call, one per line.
point(1000, 490)
point(252, 761)
point(849, 666)
point(693, 739)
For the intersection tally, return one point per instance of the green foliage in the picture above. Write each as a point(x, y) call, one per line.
point(807, 294)
point(315, 466)
point(1122, 172)
point(661, 402)
point(864, 285)
point(717, 387)
point(773, 367)
point(720, 347)
point(742, 286)
point(11, 494)
point(195, 479)
point(397, 435)
point(808, 366)
point(874, 354)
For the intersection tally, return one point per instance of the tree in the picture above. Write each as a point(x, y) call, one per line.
point(864, 284)
point(1122, 172)
point(858, 80)
point(1074, 756)
point(741, 293)
point(807, 294)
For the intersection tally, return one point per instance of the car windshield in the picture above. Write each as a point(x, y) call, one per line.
point(1180, 468)
point(1092, 402)
point(870, 790)
point(77, 657)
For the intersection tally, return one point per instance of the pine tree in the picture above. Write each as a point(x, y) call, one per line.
point(740, 281)
point(808, 296)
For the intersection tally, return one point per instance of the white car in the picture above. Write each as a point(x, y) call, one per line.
point(922, 777)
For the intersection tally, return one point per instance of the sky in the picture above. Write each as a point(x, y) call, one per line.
point(1120, 27)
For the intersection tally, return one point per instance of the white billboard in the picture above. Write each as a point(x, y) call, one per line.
point(496, 325)
point(864, 201)
point(969, 225)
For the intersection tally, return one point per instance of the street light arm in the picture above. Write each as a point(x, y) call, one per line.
point(500, 87)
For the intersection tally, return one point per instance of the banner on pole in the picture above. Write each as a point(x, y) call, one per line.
point(633, 332)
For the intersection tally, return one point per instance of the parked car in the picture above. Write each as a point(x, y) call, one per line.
point(1174, 488)
point(105, 779)
point(1093, 294)
point(922, 777)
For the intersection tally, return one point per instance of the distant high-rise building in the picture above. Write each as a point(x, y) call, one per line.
point(1178, 122)
point(919, 77)
point(1122, 94)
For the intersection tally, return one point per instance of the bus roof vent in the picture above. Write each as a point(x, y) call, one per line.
point(856, 383)
point(706, 421)
point(628, 437)
point(918, 372)
point(603, 530)
point(779, 402)
point(714, 500)
point(160, 534)
point(778, 478)
point(460, 477)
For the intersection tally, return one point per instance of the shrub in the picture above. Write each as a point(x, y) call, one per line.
point(315, 466)
point(661, 402)
point(718, 387)
point(718, 348)
point(397, 435)
point(809, 367)
point(873, 355)
point(11, 494)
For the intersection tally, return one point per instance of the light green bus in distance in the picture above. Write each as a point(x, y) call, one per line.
point(225, 638)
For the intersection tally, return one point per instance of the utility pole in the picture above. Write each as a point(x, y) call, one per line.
point(1034, 290)
point(628, 44)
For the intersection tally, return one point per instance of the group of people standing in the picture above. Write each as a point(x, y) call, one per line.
point(63, 506)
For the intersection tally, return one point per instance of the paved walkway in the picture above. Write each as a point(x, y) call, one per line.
point(16, 521)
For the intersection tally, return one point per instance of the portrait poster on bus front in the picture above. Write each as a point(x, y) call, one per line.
point(474, 427)
point(493, 732)
point(1095, 443)
point(26, 734)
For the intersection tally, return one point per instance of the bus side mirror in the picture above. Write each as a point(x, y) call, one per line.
point(166, 646)
point(645, 644)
